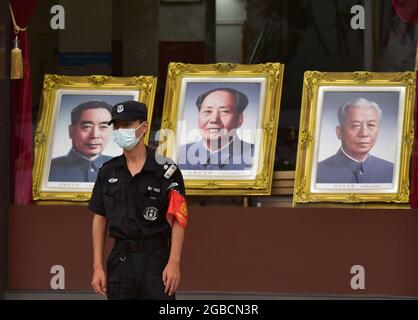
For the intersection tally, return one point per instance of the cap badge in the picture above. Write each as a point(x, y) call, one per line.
point(120, 108)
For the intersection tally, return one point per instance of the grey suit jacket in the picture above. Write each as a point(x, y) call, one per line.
point(74, 168)
point(341, 169)
point(236, 156)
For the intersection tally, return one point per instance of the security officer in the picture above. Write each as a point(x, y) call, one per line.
point(131, 197)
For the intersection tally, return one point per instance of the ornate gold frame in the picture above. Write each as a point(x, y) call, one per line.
point(273, 74)
point(145, 85)
point(313, 80)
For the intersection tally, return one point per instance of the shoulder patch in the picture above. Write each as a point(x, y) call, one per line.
point(170, 171)
point(172, 185)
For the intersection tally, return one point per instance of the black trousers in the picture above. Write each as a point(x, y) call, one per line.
point(137, 275)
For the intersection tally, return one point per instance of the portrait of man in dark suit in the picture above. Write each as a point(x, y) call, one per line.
point(220, 114)
point(90, 133)
point(358, 130)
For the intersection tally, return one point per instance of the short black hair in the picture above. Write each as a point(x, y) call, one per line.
point(241, 100)
point(92, 104)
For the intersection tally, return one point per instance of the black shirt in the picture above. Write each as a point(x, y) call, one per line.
point(135, 207)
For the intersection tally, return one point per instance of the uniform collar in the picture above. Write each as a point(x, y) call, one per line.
point(97, 162)
point(221, 149)
point(220, 156)
point(150, 162)
point(351, 158)
point(353, 165)
point(78, 154)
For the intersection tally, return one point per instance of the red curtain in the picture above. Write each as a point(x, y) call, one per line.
point(407, 10)
point(21, 145)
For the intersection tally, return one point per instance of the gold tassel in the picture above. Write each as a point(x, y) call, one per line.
point(16, 65)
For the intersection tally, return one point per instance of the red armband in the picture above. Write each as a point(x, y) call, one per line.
point(177, 209)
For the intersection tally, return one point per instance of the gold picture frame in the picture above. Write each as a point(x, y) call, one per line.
point(59, 97)
point(317, 182)
point(262, 85)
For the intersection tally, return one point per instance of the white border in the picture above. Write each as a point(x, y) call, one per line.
point(366, 187)
point(226, 174)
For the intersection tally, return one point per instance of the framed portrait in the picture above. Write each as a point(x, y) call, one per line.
point(220, 126)
point(355, 139)
point(72, 139)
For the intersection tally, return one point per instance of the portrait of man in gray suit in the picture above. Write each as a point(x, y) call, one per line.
point(220, 114)
point(358, 130)
point(90, 133)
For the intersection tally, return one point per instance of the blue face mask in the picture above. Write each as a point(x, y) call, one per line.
point(126, 138)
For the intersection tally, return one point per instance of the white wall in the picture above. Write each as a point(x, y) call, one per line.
point(232, 10)
point(230, 17)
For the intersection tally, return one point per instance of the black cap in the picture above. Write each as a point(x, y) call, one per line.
point(129, 111)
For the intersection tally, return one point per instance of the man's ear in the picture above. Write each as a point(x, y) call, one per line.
point(338, 131)
point(70, 131)
point(146, 125)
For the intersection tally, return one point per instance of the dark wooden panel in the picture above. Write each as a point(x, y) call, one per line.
point(43, 236)
point(179, 51)
point(268, 250)
point(174, 51)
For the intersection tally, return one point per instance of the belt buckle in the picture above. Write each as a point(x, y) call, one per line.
point(134, 245)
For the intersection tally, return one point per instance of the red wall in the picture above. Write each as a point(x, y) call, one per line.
point(267, 250)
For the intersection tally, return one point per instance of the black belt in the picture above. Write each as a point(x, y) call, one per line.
point(144, 244)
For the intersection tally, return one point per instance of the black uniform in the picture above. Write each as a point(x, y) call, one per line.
point(135, 209)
